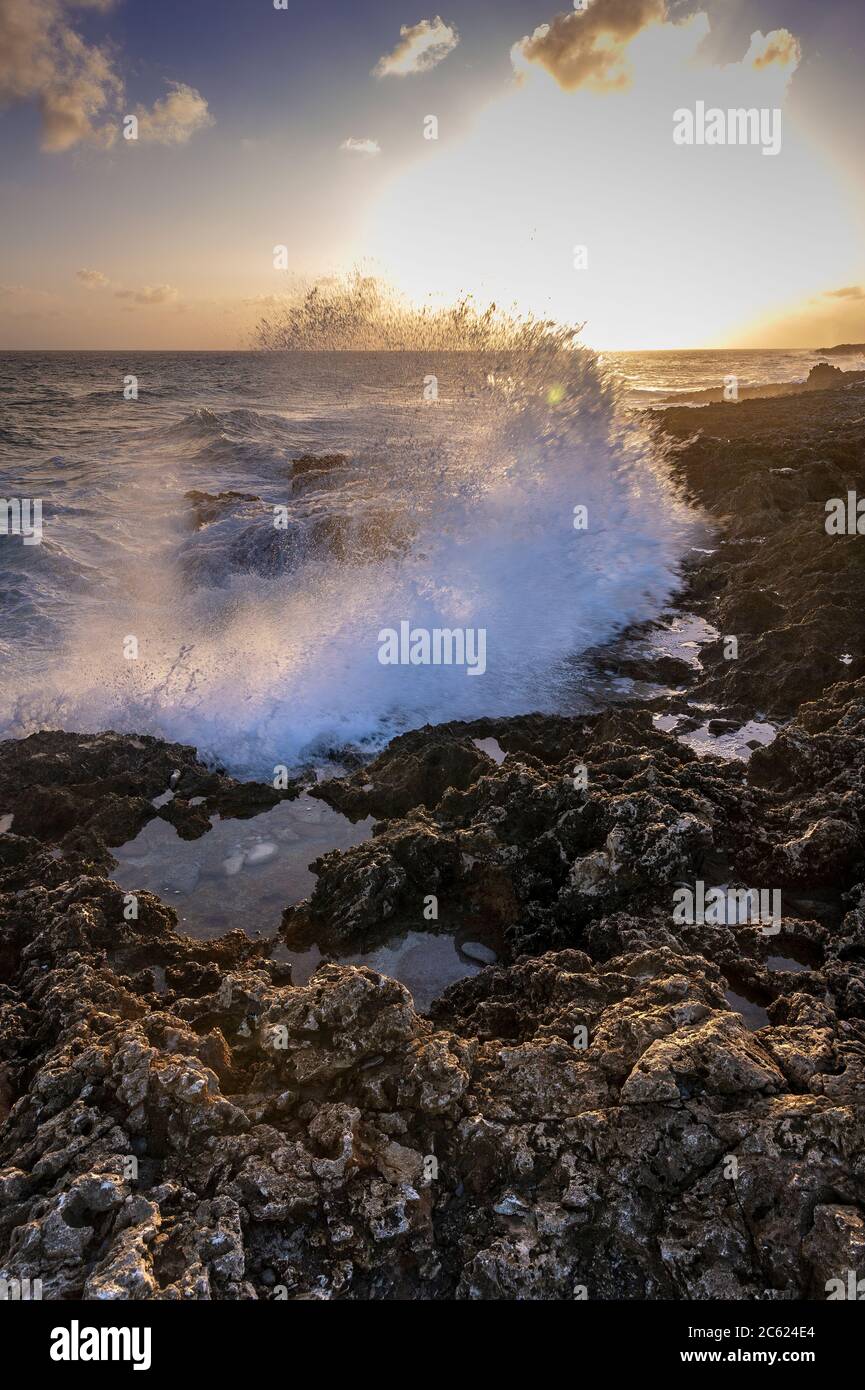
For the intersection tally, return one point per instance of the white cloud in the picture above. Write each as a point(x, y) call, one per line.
point(363, 147)
point(421, 46)
point(174, 118)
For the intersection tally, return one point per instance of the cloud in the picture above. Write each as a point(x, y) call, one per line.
point(847, 292)
point(43, 59)
point(365, 147)
point(93, 279)
point(779, 46)
point(174, 118)
point(421, 46)
point(588, 48)
point(150, 294)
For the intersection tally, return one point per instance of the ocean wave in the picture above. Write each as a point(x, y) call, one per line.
point(238, 423)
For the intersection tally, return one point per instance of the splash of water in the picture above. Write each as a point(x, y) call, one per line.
point(363, 313)
point(261, 645)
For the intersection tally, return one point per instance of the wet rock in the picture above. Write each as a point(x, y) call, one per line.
point(310, 470)
point(659, 670)
point(777, 581)
point(363, 893)
point(208, 507)
point(416, 769)
point(90, 790)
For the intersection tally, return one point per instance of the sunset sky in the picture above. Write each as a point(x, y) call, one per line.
point(305, 127)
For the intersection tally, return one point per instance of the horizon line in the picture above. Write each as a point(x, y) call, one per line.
point(276, 351)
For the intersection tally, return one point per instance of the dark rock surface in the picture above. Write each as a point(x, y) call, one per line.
point(789, 592)
point(590, 1113)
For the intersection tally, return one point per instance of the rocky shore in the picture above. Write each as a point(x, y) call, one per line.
point(823, 376)
point(620, 1107)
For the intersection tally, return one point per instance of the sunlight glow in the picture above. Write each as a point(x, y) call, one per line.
point(686, 246)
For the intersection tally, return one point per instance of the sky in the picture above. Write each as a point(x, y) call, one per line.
point(509, 149)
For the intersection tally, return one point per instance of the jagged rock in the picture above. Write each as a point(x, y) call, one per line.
point(589, 1112)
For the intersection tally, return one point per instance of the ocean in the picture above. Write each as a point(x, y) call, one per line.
point(655, 378)
point(517, 494)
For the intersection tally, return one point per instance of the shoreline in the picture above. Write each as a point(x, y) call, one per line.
point(181, 1122)
point(823, 376)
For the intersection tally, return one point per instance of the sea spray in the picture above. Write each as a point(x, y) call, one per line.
point(260, 644)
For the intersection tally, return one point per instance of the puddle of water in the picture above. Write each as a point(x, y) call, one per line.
point(666, 722)
point(426, 964)
point(733, 745)
point(491, 747)
point(684, 637)
point(241, 873)
point(244, 873)
point(681, 638)
point(785, 963)
point(741, 906)
point(754, 1014)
